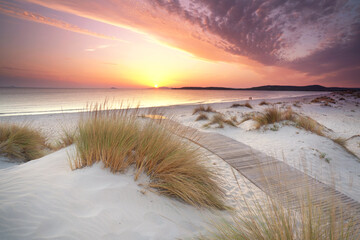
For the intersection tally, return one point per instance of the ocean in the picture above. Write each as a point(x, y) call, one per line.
point(30, 101)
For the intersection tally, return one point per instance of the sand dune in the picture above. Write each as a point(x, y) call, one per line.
point(44, 199)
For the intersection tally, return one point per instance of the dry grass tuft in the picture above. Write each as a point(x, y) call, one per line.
point(273, 115)
point(67, 138)
point(247, 116)
point(175, 168)
point(234, 119)
point(203, 109)
point(202, 116)
point(21, 141)
point(270, 220)
point(248, 105)
point(297, 104)
point(235, 105)
point(220, 120)
point(310, 124)
point(324, 100)
point(341, 141)
point(264, 103)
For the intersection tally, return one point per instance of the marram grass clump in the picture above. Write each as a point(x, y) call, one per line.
point(247, 104)
point(66, 139)
point(203, 109)
point(306, 215)
point(21, 142)
point(268, 220)
point(202, 116)
point(310, 124)
point(273, 115)
point(119, 139)
point(220, 120)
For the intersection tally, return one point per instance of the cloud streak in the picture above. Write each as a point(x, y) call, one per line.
point(30, 16)
point(97, 48)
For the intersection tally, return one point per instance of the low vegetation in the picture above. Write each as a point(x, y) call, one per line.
point(21, 142)
point(324, 100)
point(234, 120)
point(267, 219)
point(203, 109)
point(270, 220)
point(247, 116)
point(202, 116)
point(262, 103)
point(342, 142)
point(221, 121)
point(297, 104)
point(66, 139)
point(273, 115)
point(119, 139)
point(309, 124)
point(248, 105)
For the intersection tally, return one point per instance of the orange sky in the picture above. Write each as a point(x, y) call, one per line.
point(134, 44)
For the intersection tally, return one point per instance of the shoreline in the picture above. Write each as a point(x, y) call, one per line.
point(5, 115)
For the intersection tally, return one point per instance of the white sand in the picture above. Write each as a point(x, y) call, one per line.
point(44, 199)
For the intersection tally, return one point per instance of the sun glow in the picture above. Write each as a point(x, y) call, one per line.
point(156, 86)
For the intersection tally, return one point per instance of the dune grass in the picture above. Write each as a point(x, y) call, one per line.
point(66, 139)
point(234, 120)
point(262, 103)
point(273, 115)
point(203, 109)
point(247, 104)
point(309, 124)
point(221, 121)
point(21, 142)
point(267, 220)
point(202, 116)
point(323, 99)
point(342, 142)
point(119, 139)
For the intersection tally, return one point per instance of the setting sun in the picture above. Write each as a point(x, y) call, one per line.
point(156, 86)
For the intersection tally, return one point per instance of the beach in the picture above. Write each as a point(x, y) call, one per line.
point(45, 199)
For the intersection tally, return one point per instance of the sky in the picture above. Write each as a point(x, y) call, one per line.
point(176, 43)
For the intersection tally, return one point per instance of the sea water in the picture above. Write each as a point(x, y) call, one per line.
point(30, 101)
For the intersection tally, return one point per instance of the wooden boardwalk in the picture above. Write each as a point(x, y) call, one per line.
point(280, 181)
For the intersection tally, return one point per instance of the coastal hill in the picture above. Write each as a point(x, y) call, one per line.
point(276, 88)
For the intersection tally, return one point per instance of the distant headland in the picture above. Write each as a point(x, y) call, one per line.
point(276, 88)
